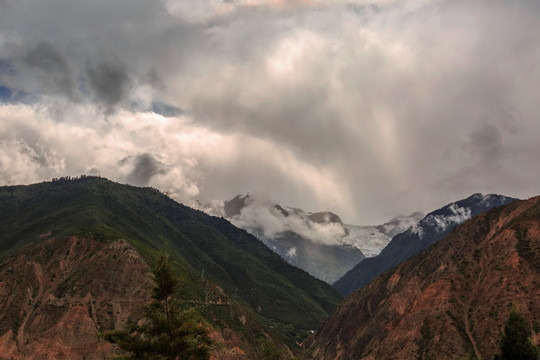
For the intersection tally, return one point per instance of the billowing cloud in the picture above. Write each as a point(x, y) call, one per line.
point(365, 108)
point(291, 253)
point(145, 149)
point(261, 216)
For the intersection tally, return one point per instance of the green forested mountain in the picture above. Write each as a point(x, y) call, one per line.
point(214, 259)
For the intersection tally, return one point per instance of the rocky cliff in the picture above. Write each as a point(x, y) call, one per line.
point(58, 294)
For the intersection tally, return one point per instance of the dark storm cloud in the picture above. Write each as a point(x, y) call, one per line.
point(144, 168)
point(94, 52)
point(4, 4)
point(486, 144)
point(110, 83)
point(50, 67)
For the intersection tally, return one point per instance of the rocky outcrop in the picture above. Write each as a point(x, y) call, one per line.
point(57, 295)
point(459, 291)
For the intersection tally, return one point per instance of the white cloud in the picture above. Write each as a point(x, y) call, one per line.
point(173, 154)
point(261, 216)
point(365, 108)
point(291, 253)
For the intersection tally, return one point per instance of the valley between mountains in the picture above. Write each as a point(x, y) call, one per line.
point(76, 256)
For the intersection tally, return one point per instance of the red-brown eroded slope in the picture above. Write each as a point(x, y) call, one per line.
point(57, 294)
point(461, 287)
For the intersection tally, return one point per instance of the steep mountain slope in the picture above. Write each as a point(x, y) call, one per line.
point(458, 292)
point(226, 272)
point(325, 262)
point(432, 228)
point(59, 289)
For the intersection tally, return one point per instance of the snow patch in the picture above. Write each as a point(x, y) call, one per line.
point(368, 239)
point(442, 222)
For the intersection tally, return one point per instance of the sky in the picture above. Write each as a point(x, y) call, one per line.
point(369, 109)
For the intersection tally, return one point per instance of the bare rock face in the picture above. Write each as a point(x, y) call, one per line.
point(325, 217)
point(459, 292)
point(57, 295)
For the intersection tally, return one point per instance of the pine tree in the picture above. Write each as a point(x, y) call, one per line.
point(516, 342)
point(166, 332)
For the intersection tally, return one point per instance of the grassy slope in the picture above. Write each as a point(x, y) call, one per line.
point(236, 261)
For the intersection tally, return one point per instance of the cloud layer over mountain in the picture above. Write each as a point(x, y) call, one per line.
point(365, 108)
point(261, 216)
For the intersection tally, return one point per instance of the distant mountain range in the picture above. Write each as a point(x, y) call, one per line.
point(319, 243)
point(451, 300)
point(74, 259)
point(432, 228)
